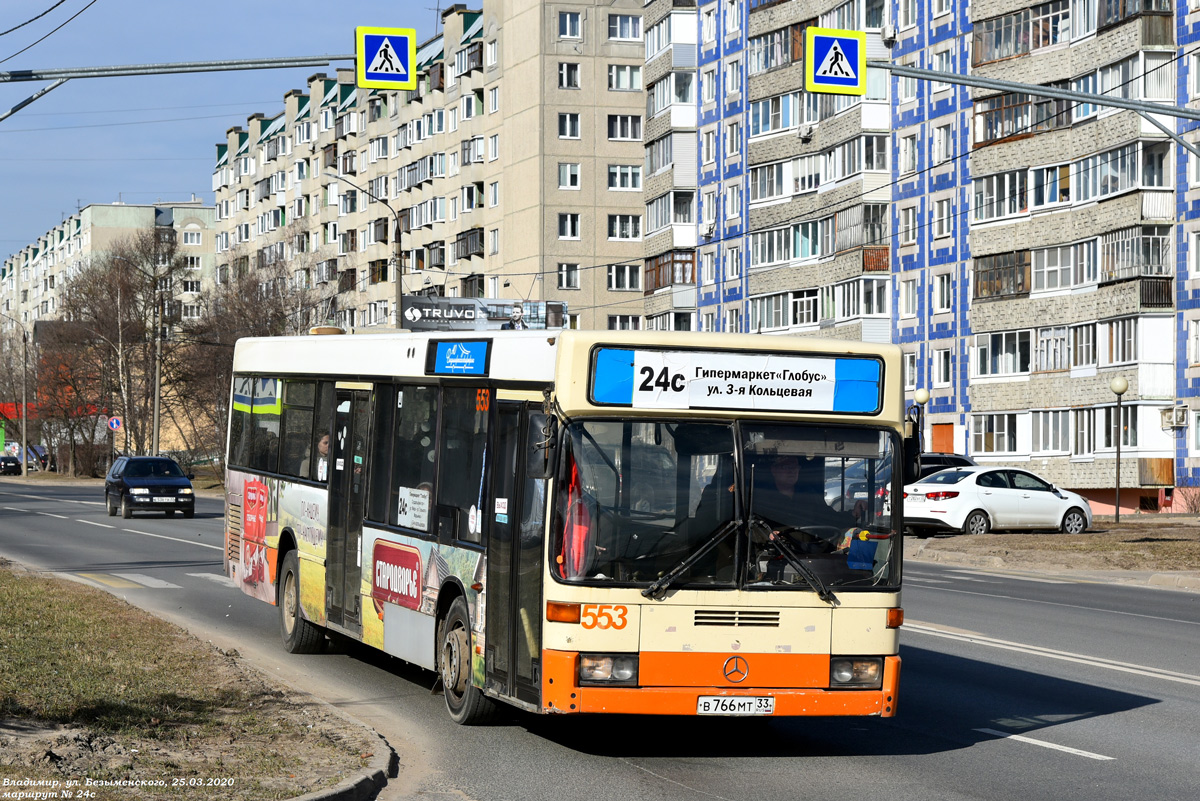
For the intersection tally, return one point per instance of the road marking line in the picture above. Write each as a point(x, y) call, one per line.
point(1065, 656)
point(51, 514)
point(1044, 602)
point(111, 581)
point(218, 578)
point(52, 498)
point(148, 581)
point(1044, 744)
point(91, 523)
point(15, 509)
point(1012, 576)
point(925, 580)
point(173, 539)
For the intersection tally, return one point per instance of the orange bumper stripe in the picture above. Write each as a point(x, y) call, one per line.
point(560, 692)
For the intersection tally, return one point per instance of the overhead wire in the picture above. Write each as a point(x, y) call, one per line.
point(51, 33)
point(34, 19)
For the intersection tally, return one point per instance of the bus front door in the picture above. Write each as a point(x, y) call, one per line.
point(514, 556)
point(347, 493)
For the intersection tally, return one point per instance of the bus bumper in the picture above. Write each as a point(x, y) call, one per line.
point(562, 694)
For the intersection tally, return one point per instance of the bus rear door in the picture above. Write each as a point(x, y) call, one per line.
point(347, 494)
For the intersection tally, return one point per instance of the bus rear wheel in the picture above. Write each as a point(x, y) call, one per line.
point(465, 702)
point(299, 635)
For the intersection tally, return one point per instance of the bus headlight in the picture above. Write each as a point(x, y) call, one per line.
point(863, 672)
point(608, 669)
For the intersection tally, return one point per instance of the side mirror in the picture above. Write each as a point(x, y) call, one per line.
point(912, 459)
point(191, 476)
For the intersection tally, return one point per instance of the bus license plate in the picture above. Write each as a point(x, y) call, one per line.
point(735, 705)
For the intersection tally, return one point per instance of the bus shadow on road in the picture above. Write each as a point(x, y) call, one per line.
point(944, 702)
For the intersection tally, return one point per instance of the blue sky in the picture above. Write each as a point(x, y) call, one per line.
point(149, 138)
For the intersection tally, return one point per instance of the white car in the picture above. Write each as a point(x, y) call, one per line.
point(974, 500)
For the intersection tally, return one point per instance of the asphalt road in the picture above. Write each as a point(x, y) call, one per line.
point(1014, 686)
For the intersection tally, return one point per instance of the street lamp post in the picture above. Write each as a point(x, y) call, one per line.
point(396, 261)
point(1118, 385)
point(24, 398)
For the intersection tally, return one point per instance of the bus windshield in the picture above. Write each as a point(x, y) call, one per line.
point(638, 498)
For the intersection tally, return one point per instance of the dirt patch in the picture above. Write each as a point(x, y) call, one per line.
point(1144, 543)
point(96, 689)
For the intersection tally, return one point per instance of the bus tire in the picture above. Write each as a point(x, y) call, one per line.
point(299, 635)
point(465, 702)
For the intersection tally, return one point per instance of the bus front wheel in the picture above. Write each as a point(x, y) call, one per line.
point(465, 702)
point(299, 635)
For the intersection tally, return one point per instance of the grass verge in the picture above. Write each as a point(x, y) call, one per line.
point(94, 688)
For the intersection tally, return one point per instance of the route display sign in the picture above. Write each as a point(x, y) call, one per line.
point(835, 61)
point(386, 58)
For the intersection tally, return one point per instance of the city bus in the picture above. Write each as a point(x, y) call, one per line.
point(581, 521)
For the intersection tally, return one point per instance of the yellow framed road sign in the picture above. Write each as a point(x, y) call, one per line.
point(835, 61)
point(386, 58)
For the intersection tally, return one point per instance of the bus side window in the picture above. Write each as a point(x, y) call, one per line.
point(264, 451)
point(379, 499)
point(240, 425)
point(413, 457)
point(298, 398)
point(318, 461)
point(464, 455)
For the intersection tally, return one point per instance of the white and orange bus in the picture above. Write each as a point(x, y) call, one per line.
point(582, 521)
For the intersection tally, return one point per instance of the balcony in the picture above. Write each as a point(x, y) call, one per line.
point(347, 280)
point(469, 243)
point(1156, 293)
point(673, 269)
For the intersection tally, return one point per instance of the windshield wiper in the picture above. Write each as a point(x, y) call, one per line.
point(658, 588)
point(806, 572)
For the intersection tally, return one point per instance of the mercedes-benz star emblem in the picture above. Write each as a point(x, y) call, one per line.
point(736, 669)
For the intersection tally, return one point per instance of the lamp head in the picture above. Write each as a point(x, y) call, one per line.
point(921, 396)
point(1119, 385)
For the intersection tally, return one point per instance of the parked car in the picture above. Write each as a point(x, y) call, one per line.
point(974, 500)
point(10, 466)
point(933, 462)
point(148, 484)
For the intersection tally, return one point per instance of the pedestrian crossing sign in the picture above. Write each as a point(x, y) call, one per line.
point(835, 61)
point(386, 58)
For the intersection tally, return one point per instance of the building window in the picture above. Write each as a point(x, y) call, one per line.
point(568, 176)
point(625, 27)
point(625, 226)
point(941, 367)
point(568, 226)
point(1001, 195)
point(908, 225)
point(994, 433)
point(1083, 345)
point(1121, 336)
point(624, 127)
point(1051, 432)
point(192, 237)
point(941, 218)
point(910, 371)
point(943, 144)
point(624, 78)
point(568, 126)
point(1052, 268)
point(568, 76)
point(1002, 353)
point(1052, 348)
point(1002, 275)
point(943, 292)
point(568, 276)
point(733, 263)
point(569, 25)
point(1126, 429)
point(624, 277)
point(1084, 429)
point(908, 297)
point(624, 322)
point(623, 177)
point(490, 53)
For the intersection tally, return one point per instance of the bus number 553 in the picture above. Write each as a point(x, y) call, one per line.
point(603, 616)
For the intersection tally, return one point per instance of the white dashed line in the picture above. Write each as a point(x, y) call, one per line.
point(1022, 738)
point(90, 523)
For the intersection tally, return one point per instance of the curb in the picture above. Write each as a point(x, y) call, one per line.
point(367, 783)
point(1184, 581)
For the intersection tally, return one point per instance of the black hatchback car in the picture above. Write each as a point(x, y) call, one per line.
point(10, 466)
point(148, 484)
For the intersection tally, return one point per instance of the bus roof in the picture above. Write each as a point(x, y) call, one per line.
point(748, 374)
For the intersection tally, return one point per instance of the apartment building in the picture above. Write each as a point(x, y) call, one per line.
point(511, 173)
point(33, 279)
